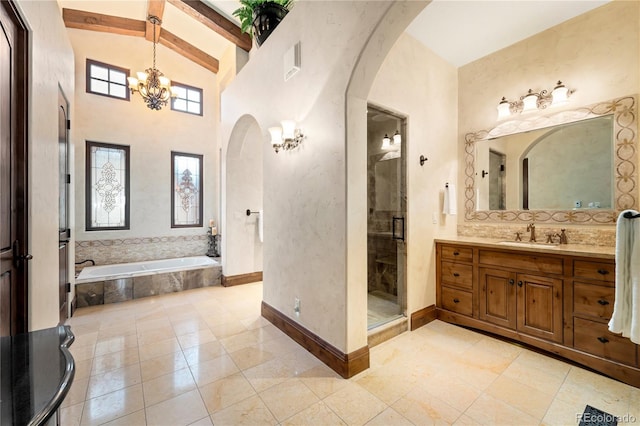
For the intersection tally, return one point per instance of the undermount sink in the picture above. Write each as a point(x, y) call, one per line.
point(528, 244)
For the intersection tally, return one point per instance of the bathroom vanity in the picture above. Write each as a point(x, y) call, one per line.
point(558, 298)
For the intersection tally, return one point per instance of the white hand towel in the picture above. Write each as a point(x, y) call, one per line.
point(450, 204)
point(626, 308)
point(260, 226)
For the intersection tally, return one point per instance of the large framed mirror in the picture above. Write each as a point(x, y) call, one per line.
point(574, 166)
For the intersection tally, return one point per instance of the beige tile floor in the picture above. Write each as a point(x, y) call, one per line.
point(205, 357)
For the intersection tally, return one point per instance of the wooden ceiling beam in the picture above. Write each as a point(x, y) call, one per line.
point(215, 21)
point(115, 25)
point(154, 8)
point(82, 20)
point(189, 51)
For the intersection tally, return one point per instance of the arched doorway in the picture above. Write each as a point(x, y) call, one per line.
point(242, 191)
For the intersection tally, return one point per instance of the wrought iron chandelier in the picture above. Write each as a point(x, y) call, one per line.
point(153, 86)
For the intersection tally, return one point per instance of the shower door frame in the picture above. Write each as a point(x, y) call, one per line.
point(401, 243)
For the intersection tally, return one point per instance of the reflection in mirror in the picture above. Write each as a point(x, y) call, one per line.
point(572, 166)
point(557, 168)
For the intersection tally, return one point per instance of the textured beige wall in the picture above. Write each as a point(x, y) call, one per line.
point(305, 191)
point(151, 135)
point(423, 88)
point(51, 66)
point(596, 53)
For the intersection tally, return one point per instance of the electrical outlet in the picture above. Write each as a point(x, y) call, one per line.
point(434, 217)
point(296, 306)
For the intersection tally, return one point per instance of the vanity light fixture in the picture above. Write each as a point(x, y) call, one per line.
point(533, 101)
point(285, 137)
point(397, 139)
point(393, 142)
point(386, 142)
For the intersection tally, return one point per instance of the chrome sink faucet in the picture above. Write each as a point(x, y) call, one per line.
point(532, 228)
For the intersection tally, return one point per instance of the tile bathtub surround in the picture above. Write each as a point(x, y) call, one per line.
point(596, 236)
point(120, 290)
point(206, 357)
point(127, 250)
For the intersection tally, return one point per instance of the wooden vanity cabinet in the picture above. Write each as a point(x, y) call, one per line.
point(593, 298)
point(456, 290)
point(523, 302)
point(560, 303)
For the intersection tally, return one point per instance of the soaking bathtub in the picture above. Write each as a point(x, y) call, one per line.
point(97, 285)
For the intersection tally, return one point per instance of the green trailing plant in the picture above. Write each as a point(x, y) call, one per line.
point(245, 13)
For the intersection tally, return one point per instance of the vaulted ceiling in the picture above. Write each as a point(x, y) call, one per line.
point(460, 31)
point(191, 28)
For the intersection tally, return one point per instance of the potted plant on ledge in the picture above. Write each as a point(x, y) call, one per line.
point(261, 15)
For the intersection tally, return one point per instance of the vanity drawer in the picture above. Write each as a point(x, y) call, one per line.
point(595, 338)
point(457, 274)
point(459, 301)
point(601, 271)
point(593, 300)
point(461, 254)
point(549, 265)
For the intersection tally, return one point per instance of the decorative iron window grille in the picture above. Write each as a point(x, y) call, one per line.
point(107, 187)
point(188, 99)
point(107, 80)
point(186, 190)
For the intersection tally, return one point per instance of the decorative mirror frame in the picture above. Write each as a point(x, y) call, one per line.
point(625, 165)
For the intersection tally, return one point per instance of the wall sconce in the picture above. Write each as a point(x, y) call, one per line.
point(534, 101)
point(388, 143)
point(286, 137)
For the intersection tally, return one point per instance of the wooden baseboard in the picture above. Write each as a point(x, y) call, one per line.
point(347, 365)
point(423, 316)
point(241, 279)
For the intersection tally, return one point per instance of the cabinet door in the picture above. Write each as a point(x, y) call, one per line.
point(539, 306)
point(497, 297)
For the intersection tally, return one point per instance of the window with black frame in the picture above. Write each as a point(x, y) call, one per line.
point(187, 98)
point(107, 80)
point(186, 190)
point(107, 187)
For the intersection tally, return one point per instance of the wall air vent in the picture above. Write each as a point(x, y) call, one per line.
point(292, 61)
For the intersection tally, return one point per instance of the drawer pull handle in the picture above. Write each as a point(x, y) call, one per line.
point(603, 339)
point(511, 281)
point(455, 274)
point(456, 300)
point(455, 253)
point(603, 302)
point(603, 272)
point(519, 283)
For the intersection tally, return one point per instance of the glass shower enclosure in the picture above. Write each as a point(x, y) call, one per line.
point(386, 218)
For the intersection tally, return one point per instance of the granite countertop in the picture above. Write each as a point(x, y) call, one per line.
point(36, 372)
point(602, 252)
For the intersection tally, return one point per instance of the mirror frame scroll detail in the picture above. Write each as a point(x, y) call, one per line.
point(625, 165)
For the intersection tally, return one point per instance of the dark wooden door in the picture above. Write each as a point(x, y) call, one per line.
point(540, 306)
point(498, 297)
point(64, 179)
point(13, 173)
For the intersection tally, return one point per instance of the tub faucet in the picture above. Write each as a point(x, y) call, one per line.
point(532, 228)
point(85, 261)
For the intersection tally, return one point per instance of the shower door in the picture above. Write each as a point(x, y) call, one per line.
point(386, 225)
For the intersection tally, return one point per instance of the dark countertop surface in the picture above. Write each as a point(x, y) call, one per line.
point(36, 371)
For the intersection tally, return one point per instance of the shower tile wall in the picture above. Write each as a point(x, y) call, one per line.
point(107, 252)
